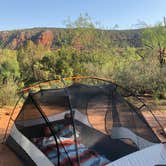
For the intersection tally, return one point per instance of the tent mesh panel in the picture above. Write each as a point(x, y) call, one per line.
point(119, 112)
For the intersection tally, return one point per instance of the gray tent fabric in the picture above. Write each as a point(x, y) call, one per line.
point(151, 156)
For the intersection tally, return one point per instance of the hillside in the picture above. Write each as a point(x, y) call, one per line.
point(54, 37)
point(33, 55)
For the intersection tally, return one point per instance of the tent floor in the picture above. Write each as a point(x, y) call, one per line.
point(93, 139)
point(103, 144)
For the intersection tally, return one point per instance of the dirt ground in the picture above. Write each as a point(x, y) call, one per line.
point(8, 158)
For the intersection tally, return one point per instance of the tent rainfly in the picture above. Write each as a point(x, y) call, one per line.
point(84, 121)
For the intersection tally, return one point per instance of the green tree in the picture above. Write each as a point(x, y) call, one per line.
point(27, 57)
point(84, 34)
point(64, 62)
point(9, 67)
point(46, 67)
point(9, 77)
point(154, 38)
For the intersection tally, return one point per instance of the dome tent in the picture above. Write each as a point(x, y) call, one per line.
point(70, 111)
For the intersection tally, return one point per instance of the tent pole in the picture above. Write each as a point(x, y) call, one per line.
point(73, 123)
point(48, 124)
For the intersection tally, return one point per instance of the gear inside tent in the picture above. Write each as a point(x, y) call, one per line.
point(78, 121)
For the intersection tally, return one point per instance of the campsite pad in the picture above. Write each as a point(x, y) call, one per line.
point(161, 116)
point(7, 157)
point(96, 111)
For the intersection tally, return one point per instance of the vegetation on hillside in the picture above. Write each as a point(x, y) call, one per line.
point(82, 49)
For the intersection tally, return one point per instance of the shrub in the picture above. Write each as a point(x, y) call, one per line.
point(8, 93)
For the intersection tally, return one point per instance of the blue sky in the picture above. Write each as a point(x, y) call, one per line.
point(18, 14)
